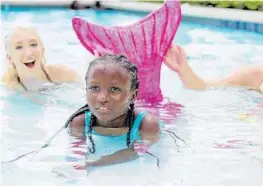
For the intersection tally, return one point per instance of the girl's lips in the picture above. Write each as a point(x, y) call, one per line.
point(103, 110)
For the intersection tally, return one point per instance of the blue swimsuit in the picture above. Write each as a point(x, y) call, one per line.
point(110, 144)
point(135, 133)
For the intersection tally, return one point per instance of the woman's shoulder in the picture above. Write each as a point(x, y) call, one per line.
point(61, 73)
point(12, 85)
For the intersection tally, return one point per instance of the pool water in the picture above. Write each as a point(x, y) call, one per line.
point(222, 127)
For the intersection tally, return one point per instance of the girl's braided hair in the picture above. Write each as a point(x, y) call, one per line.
point(132, 72)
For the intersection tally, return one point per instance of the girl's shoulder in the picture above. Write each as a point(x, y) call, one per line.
point(78, 120)
point(149, 122)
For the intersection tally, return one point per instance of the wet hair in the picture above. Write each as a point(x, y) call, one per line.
point(119, 61)
point(132, 73)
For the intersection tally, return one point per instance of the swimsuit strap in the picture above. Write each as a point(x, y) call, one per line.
point(261, 87)
point(47, 76)
point(135, 131)
point(138, 120)
point(135, 128)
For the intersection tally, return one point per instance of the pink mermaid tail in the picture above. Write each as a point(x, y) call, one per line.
point(144, 43)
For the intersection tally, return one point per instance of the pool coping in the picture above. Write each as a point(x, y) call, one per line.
point(231, 18)
point(194, 11)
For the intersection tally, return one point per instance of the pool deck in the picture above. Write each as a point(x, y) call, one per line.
point(194, 11)
point(208, 15)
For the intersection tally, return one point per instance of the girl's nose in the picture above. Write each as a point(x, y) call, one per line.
point(103, 96)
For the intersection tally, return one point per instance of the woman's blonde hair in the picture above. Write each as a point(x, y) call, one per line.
point(11, 74)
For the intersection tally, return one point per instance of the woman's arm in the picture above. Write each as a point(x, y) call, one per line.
point(14, 85)
point(11, 81)
point(62, 74)
point(175, 59)
point(250, 77)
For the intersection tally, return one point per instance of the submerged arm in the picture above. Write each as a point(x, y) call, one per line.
point(77, 126)
point(120, 156)
point(124, 155)
point(15, 85)
point(149, 131)
point(11, 82)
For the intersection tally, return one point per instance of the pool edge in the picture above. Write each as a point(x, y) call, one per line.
point(221, 17)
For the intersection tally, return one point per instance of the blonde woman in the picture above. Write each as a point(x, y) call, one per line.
point(250, 77)
point(27, 70)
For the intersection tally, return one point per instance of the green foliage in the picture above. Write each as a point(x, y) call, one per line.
point(224, 4)
point(237, 4)
point(253, 5)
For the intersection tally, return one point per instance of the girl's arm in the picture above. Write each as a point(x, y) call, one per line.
point(149, 130)
point(120, 156)
point(77, 126)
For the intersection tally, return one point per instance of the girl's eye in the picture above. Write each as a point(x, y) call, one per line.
point(115, 89)
point(19, 47)
point(34, 45)
point(94, 88)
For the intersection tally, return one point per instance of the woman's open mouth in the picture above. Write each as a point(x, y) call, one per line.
point(30, 64)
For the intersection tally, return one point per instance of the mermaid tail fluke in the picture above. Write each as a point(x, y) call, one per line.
point(144, 43)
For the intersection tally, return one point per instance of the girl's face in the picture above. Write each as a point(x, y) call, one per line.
point(109, 91)
point(25, 51)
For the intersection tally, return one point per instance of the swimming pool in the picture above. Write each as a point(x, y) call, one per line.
point(223, 146)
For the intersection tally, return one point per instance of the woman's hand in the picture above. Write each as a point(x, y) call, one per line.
point(175, 58)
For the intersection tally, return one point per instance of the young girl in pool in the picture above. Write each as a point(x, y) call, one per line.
point(27, 69)
point(250, 77)
point(112, 86)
